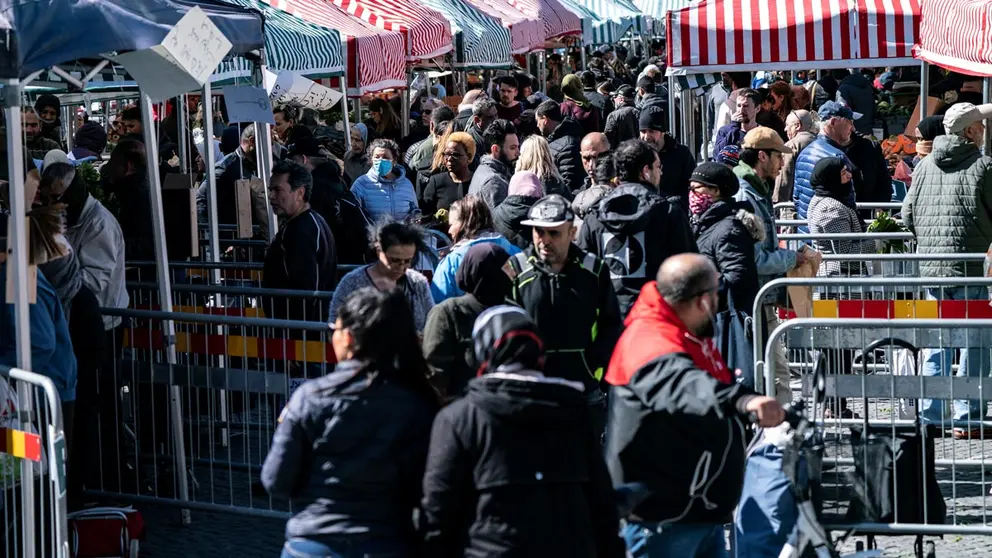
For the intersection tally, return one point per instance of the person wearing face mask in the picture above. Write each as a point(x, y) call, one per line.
point(568, 293)
point(385, 192)
point(671, 389)
point(448, 333)
point(948, 210)
point(634, 228)
point(49, 110)
point(396, 246)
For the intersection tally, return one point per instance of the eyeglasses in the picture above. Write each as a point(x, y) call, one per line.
point(450, 155)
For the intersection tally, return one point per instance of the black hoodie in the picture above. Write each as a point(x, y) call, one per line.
point(634, 230)
point(515, 470)
point(564, 143)
point(677, 164)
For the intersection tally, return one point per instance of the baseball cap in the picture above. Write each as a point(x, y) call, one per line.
point(961, 115)
point(716, 175)
point(625, 91)
point(764, 139)
point(832, 109)
point(549, 211)
point(652, 118)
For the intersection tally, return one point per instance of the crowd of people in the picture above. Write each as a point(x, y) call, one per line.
point(507, 393)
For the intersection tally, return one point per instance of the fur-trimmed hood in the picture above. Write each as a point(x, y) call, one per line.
point(751, 221)
point(741, 210)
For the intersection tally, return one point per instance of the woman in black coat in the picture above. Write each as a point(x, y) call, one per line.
point(514, 468)
point(726, 231)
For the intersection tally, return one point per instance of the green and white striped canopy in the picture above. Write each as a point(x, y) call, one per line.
point(605, 21)
point(291, 44)
point(657, 10)
point(481, 41)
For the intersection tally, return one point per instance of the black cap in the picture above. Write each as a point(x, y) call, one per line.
point(307, 146)
point(625, 91)
point(652, 118)
point(716, 175)
point(549, 211)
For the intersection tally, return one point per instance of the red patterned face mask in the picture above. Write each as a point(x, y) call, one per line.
point(699, 203)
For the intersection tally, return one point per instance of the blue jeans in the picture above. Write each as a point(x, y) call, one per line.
point(685, 540)
point(306, 548)
point(937, 362)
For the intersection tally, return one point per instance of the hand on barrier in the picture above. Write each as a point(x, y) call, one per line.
point(765, 411)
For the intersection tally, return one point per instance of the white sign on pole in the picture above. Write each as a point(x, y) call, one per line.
point(183, 62)
point(295, 90)
point(248, 104)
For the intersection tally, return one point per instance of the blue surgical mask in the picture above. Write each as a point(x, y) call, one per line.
point(382, 167)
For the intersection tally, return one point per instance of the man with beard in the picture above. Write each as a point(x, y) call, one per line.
point(48, 108)
point(564, 135)
point(484, 112)
point(237, 166)
point(36, 144)
point(668, 379)
point(676, 159)
point(509, 107)
point(491, 180)
point(741, 122)
point(634, 229)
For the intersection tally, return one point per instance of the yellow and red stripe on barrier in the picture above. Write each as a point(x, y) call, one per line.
point(209, 311)
point(236, 346)
point(897, 309)
point(20, 444)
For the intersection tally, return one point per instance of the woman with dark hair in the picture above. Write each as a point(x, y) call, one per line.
point(448, 334)
point(387, 123)
point(384, 192)
point(349, 451)
point(469, 223)
point(514, 467)
point(926, 131)
point(396, 247)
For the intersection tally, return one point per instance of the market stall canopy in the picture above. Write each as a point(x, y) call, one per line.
point(38, 34)
point(481, 40)
point(657, 12)
point(558, 21)
point(427, 32)
point(375, 59)
point(291, 44)
point(610, 20)
point(526, 31)
point(957, 35)
point(742, 35)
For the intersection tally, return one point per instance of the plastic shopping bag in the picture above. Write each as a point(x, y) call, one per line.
point(904, 364)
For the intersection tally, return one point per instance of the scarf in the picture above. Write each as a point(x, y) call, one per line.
point(826, 179)
point(699, 203)
point(930, 127)
point(923, 148)
point(571, 87)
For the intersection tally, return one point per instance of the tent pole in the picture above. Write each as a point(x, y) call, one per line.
point(986, 95)
point(924, 88)
point(344, 112)
point(671, 106)
point(181, 120)
point(263, 154)
point(406, 104)
point(165, 301)
point(17, 245)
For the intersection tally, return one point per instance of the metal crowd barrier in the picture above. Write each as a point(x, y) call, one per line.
point(886, 206)
point(889, 406)
point(905, 240)
point(33, 461)
point(233, 376)
point(244, 274)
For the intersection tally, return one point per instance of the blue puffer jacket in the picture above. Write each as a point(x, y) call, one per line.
point(445, 284)
point(802, 191)
point(382, 198)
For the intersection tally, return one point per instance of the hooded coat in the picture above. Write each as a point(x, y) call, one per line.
point(634, 230)
point(667, 382)
point(829, 214)
point(448, 333)
point(677, 164)
point(727, 233)
point(491, 181)
point(949, 207)
point(564, 142)
point(507, 218)
point(857, 92)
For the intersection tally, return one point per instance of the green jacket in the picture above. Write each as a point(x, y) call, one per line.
point(949, 207)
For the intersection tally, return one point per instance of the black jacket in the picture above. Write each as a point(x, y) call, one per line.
point(463, 120)
point(857, 92)
point(349, 452)
point(677, 164)
point(507, 218)
point(135, 216)
point(349, 224)
point(634, 230)
point(514, 470)
point(564, 142)
point(448, 344)
point(235, 166)
point(576, 311)
point(622, 125)
point(303, 257)
point(872, 181)
point(656, 100)
point(727, 232)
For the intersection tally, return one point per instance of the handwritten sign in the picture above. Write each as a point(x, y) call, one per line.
point(295, 90)
point(183, 62)
point(248, 104)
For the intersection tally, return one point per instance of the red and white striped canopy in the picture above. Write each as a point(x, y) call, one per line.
point(426, 30)
point(726, 35)
point(526, 32)
point(374, 58)
point(957, 34)
point(558, 20)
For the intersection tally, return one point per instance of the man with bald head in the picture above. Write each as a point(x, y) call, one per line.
point(677, 417)
point(464, 116)
point(593, 146)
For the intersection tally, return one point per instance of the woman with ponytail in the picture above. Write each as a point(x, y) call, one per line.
point(350, 447)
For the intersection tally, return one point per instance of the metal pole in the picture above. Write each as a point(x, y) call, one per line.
point(181, 139)
point(165, 300)
point(344, 113)
point(263, 152)
point(671, 104)
point(924, 88)
point(406, 105)
point(987, 94)
point(17, 245)
point(69, 122)
point(582, 56)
